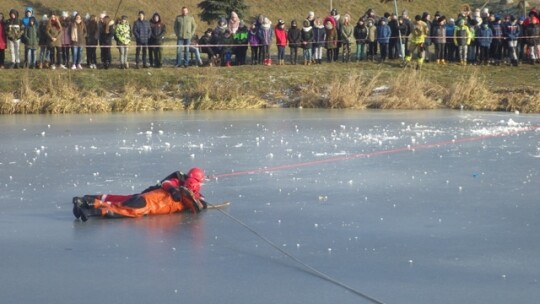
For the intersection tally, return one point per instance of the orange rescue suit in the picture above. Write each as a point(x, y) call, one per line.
point(157, 201)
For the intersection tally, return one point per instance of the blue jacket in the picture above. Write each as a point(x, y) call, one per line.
point(512, 31)
point(383, 33)
point(484, 36)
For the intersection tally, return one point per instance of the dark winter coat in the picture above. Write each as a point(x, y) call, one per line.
point(360, 33)
point(31, 36)
point(532, 32)
point(307, 37)
point(319, 36)
point(54, 31)
point(439, 34)
point(142, 31)
point(331, 41)
point(14, 26)
point(294, 36)
point(158, 30)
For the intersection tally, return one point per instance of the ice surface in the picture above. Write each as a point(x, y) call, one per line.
point(406, 207)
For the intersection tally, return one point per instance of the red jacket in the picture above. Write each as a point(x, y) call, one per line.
point(281, 36)
point(3, 39)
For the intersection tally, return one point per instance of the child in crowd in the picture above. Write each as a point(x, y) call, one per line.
point(31, 42)
point(294, 39)
point(360, 36)
point(307, 41)
point(254, 44)
point(281, 41)
point(319, 38)
point(347, 37)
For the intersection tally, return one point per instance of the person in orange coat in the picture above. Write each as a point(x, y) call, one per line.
point(176, 193)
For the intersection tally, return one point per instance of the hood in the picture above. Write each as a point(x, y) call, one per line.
point(14, 11)
point(152, 20)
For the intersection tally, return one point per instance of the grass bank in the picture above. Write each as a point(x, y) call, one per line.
point(337, 85)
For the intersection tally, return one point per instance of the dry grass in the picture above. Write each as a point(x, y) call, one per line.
point(339, 85)
point(472, 93)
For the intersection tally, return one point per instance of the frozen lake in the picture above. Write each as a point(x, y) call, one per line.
point(404, 207)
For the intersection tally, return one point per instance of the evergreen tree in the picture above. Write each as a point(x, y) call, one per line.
point(212, 10)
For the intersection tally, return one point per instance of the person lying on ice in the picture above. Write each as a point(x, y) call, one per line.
point(175, 193)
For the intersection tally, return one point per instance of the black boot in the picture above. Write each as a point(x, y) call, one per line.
point(83, 207)
point(77, 204)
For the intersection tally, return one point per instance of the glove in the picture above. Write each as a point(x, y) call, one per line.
point(175, 194)
point(190, 201)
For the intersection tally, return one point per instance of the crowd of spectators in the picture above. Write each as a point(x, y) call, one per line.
point(61, 40)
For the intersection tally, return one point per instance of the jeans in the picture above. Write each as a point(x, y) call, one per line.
point(31, 57)
point(77, 55)
point(14, 46)
point(182, 51)
point(360, 51)
point(195, 50)
point(281, 52)
point(123, 49)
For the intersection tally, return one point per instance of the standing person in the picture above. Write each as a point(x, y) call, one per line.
point(347, 37)
point(44, 57)
point(418, 35)
point(156, 40)
point(234, 23)
point(462, 39)
point(497, 42)
point(331, 40)
point(311, 18)
point(371, 39)
point(532, 37)
point(439, 38)
point(28, 13)
point(3, 42)
point(319, 39)
point(265, 37)
point(184, 28)
point(307, 41)
point(294, 38)
point(484, 37)
point(105, 40)
point(512, 34)
point(31, 41)
point(78, 41)
point(92, 39)
point(360, 36)
point(426, 17)
point(241, 44)
point(337, 24)
point(14, 33)
point(227, 49)
point(54, 35)
point(122, 34)
point(254, 43)
point(281, 41)
point(383, 38)
point(450, 46)
point(66, 39)
point(142, 33)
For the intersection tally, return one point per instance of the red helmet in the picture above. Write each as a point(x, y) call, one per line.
point(192, 184)
point(197, 174)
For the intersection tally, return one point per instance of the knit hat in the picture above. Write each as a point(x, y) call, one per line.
point(45, 18)
point(306, 23)
point(65, 14)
